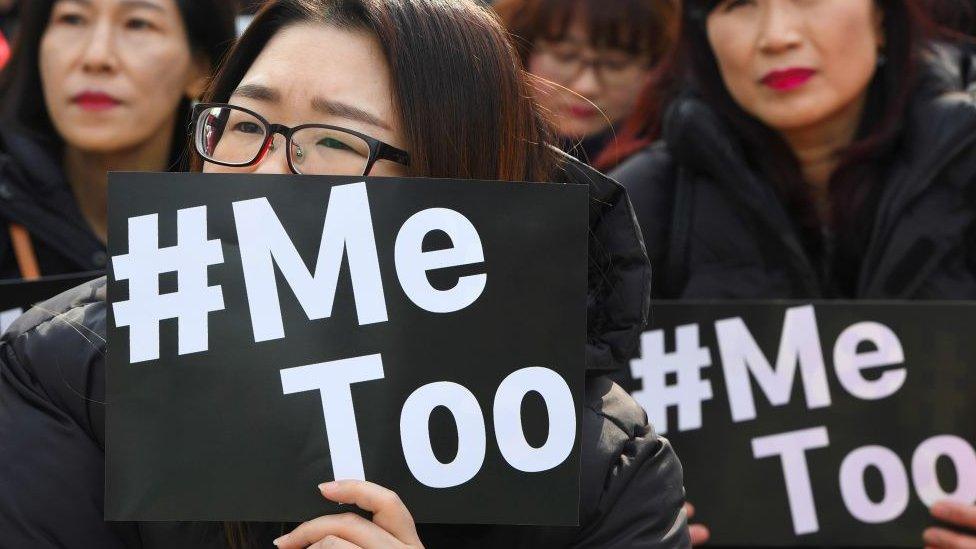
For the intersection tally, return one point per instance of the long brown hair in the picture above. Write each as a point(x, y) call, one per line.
point(464, 101)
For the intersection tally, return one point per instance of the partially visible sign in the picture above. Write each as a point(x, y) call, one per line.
point(269, 333)
point(16, 296)
point(833, 423)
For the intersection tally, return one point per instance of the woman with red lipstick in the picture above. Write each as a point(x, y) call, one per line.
point(94, 86)
point(596, 57)
point(819, 149)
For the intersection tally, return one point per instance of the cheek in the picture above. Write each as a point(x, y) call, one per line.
point(159, 73)
point(388, 169)
point(849, 53)
point(52, 63)
point(619, 100)
point(734, 56)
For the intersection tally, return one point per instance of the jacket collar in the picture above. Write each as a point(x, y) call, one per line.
point(940, 125)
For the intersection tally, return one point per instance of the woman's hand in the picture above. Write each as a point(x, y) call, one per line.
point(957, 514)
point(391, 527)
point(698, 532)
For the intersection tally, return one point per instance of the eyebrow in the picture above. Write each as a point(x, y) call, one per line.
point(349, 112)
point(257, 92)
point(127, 3)
point(265, 94)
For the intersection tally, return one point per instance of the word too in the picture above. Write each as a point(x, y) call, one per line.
point(792, 448)
point(334, 381)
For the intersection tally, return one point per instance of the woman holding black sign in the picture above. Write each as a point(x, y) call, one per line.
point(385, 87)
point(93, 87)
point(821, 149)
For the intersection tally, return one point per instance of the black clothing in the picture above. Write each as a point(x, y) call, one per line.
point(35, 194)
point(588, 149)
point(715, 229)
point(52, 424)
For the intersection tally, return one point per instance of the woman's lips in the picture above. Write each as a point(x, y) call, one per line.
point(788, 79)
point(582, 111)
point(95, 101)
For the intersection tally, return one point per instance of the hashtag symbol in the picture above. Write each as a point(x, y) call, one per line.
point(192, 301)
point(687, 392)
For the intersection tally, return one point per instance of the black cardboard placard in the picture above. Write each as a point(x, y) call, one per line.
point(908, 412)
point(223, 433)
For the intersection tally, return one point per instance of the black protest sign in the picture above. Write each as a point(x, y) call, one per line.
point(17, 296)
point(270, 333)
point(830, 424)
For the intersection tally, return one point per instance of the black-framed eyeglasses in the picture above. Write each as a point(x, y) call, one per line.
point(233, 136)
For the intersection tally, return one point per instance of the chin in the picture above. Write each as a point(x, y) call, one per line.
point(100, 142)
point(577, 131)
point(793, 118)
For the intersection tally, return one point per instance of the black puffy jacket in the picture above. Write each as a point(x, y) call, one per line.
point(35, 195)
point(52, 424)
point(715, 229)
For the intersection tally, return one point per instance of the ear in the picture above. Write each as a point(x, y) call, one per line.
point(198, 77)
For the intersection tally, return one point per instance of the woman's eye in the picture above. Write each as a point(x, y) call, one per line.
point(332, 143)
point(733, 4)
point(247, 127)
point(70, 19)
point(615, 64)
point(138, 24)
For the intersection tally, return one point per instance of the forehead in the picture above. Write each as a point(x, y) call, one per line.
point(316, 60)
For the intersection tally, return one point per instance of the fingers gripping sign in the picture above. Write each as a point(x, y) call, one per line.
point(392, 525)
point(961, 517)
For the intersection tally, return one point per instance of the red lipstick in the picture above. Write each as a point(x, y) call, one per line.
point(95, 101)
point(788, 79)
point(582, 111)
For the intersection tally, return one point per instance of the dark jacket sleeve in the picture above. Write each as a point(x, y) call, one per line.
point(619, 275)
point(632, 486)
point(52, 428)
point(650, 177)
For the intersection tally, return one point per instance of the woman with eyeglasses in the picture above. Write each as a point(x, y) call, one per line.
point(820, 149)
point(595, 56)
point(94, 86)
point(355, 87)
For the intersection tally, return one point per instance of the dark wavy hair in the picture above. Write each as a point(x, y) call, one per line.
point(210, 28)
point(464, 100)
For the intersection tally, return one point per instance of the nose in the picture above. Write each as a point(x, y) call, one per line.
point(275, 161)
point(779, 29)
point(587, 82)
point(100, 54)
